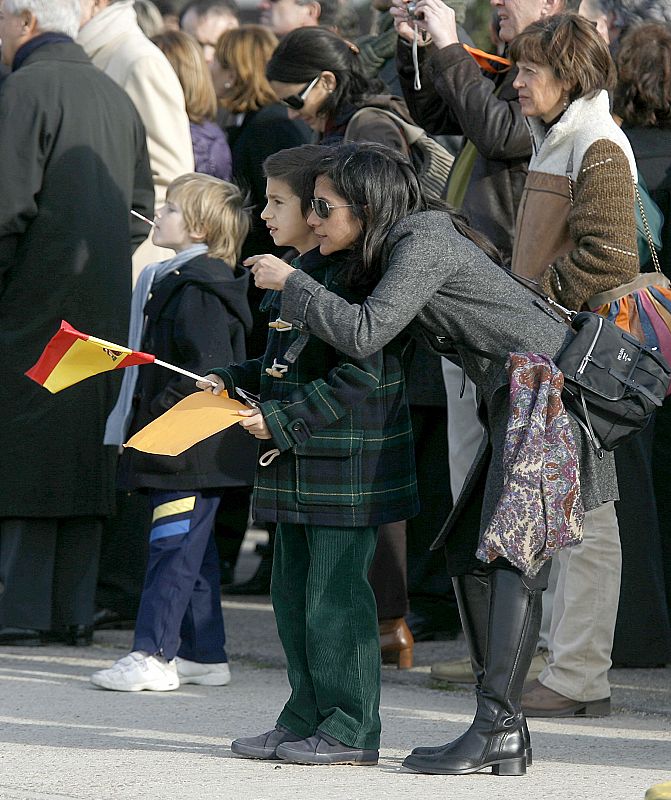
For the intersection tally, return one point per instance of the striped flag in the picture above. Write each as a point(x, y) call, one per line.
point(71, 356)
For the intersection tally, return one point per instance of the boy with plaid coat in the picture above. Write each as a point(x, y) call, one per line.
point(338, 463)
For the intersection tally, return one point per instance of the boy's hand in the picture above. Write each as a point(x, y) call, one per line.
point(269, 271)
point(255, 423)
point(207, 387)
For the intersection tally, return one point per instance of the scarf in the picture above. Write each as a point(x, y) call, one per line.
point(120, 417)
point(50, 37)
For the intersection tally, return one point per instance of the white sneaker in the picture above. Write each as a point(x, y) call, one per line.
point(136, 672)
point(203, 674)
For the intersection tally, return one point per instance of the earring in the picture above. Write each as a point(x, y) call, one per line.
point(566, 100)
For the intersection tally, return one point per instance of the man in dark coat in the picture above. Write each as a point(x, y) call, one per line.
point(73, 162)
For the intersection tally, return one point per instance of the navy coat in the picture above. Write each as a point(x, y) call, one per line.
point(197, 316)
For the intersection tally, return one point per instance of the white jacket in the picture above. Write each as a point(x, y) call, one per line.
point(117, 46)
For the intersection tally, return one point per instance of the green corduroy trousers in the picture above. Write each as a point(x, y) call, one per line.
point(327, 622)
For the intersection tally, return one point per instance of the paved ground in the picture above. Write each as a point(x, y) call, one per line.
point(60, 737)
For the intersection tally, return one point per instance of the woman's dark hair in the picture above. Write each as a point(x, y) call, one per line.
point(384, 188)
point(643, 92)
point(570, 45)
point(296, 167)
point(306, 52)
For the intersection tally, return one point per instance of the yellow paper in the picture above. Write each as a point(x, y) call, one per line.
point(193, 419)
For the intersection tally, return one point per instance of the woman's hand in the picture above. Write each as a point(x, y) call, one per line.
point(206, 385)
point(432, 16)
point(269, 271)
point(255, 423)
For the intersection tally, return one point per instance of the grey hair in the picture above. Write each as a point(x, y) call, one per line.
point(625, 13)
point(60, 16)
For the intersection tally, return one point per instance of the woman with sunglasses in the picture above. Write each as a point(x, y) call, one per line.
point(320, 78)
point(450, 296)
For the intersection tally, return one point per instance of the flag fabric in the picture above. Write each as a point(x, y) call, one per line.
point(71, 356)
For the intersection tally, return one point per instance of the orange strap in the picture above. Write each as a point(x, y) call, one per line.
point(484, 60)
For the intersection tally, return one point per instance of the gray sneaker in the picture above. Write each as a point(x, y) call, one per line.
point(265, 745)
point(324, 749)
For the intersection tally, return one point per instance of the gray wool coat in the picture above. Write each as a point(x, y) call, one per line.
point(456, 301)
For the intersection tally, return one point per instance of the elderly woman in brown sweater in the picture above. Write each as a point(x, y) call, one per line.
point(575, 237)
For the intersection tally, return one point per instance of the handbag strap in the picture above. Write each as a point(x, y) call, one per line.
point(646, 228)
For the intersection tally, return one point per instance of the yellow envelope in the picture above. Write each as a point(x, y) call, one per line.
point(188, 422)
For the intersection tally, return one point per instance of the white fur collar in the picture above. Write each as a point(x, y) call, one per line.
point(583, 123)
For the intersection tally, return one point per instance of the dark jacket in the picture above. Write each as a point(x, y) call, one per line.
point(652, 149)
point(73, 161)
point(211, 152)
point(456, 98)
point(371, 126)
point(197, 316)
point(342, 426)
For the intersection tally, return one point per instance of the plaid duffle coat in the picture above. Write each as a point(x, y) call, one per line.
point(341, 424)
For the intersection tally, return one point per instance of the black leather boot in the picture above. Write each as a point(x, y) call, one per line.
point(473, 593)
point(496, 737)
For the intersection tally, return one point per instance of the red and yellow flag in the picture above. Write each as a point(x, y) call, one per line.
point(71, 356)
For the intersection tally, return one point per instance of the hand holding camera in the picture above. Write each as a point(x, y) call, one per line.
point(433, 16)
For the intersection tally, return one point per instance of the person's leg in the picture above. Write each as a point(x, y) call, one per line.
point(291, 566)
point(75, 578)
point(202, 632)
point(497, 736)
point(388, 579)
point(123, 561)
point(181, 530)
point(230, 526)
point(341, 640)
point(27, 555)
point(433, 608)
point(583, 623)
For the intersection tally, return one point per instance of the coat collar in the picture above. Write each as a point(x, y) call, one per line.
point(109, 27)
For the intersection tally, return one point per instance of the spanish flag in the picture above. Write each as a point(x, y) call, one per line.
point(71, 356)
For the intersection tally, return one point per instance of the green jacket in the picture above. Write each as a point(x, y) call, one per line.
point(342, 426)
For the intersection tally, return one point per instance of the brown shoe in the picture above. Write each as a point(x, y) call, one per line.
point(539, 701)
point(396, 643)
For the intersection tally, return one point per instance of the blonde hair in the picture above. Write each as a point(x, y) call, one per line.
point(247, 50)
point(186, 58)
point(214, 209)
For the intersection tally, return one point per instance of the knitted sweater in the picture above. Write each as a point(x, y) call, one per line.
point(588, 146)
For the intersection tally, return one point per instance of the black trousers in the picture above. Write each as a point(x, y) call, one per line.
point(48, 571)
point(429, 586)
point(642, 631)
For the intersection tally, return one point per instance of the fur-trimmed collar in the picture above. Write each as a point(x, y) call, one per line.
point(584, 122)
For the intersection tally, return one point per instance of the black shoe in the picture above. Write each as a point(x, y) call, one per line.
point(108, 619)
point(259, 583)
point(72, 635)
point(323, 749)
point(20, 637)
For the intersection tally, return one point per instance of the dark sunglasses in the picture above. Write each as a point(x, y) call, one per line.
point(297, 101)
point(323, 209)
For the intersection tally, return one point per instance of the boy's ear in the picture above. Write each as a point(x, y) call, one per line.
point(198, 235)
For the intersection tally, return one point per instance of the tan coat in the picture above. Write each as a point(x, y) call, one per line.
point(576, 226)
point(117, 46)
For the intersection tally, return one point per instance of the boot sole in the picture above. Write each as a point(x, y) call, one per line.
point(506, 767)
point(259, 753)
point(591, 708)
point(306, 761)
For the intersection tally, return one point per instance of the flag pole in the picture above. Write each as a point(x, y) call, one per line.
point(183, 372)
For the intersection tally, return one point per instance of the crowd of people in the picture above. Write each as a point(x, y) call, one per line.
point(365, 234)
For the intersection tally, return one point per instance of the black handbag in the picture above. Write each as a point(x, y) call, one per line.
point(613, 383)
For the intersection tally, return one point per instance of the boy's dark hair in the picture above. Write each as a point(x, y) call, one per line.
point(296, 167)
